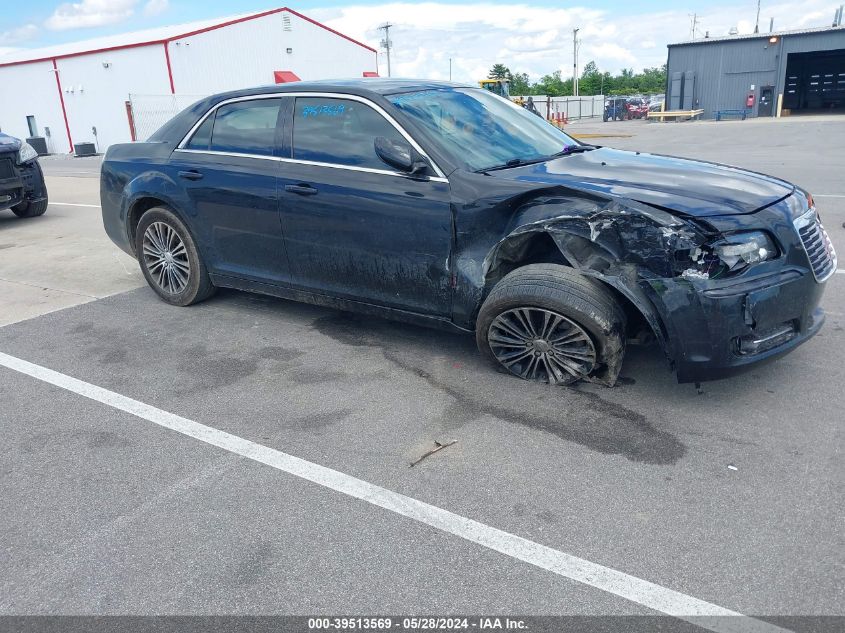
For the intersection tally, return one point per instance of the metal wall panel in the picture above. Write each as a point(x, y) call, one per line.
point(246, 54)
point(95, 95)
point(676, 89)
point(40, 98)
point(726, 69)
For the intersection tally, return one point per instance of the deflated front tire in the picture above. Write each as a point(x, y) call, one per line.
point(548, 323)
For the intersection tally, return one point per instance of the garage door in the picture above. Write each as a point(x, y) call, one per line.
point(815, 81)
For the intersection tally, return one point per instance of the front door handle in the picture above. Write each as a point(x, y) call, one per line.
point(191, 174)
point(301, 189)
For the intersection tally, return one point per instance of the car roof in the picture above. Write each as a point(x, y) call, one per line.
point(372, 85)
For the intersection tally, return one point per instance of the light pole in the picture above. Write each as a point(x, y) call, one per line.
point(386, 43)
point(450, 69)
point(575, 62)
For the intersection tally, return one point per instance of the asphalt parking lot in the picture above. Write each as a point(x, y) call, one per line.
point(733, 497)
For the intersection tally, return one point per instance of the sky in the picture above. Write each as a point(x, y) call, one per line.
point(533, 37)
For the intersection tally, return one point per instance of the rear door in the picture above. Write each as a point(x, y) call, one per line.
point(229, 170)
point(355, 227)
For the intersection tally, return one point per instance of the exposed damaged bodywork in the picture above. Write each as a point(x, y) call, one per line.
point(666, 266)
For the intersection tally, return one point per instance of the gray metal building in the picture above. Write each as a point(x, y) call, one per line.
point(802, 71)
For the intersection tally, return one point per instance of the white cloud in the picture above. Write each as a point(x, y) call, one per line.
point(90, 13)
point(19, 34)
point(156, 7)
point(538, 40)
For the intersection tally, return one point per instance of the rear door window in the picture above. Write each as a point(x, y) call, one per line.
point(339, 131)
point(246, 127)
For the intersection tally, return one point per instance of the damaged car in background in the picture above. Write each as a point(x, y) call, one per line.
point(22, 187)
point(446, 205)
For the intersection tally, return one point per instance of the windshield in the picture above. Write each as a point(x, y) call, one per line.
point(480, 129)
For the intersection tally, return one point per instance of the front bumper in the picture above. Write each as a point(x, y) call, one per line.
point(718, 327)
point(717, 330)
point(20, 182)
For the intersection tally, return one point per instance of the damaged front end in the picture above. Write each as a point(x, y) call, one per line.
point(718, 293)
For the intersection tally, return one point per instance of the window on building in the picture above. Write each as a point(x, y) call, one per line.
point(339, 131)
point(246, 127)
point(33, 127)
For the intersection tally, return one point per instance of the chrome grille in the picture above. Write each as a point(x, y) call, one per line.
point(817, 244)
point(6, 169)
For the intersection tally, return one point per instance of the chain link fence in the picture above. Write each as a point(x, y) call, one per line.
point(574, 108)
point(147, 113)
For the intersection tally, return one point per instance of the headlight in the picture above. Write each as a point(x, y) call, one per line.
point(730, 254)
point(741, 249)
point(26, 153)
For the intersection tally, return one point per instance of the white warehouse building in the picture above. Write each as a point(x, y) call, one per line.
point(121, 88)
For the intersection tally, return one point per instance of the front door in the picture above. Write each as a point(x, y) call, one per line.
point(766, 101)
point(229, 171)
point(355, 227)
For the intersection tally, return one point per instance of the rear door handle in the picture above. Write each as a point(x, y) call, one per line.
point(301, 189)
point(192, 174)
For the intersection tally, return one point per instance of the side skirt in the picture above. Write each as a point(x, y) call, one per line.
point(304, 296)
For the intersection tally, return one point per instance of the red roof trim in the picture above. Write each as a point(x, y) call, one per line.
point(329, 29)
point(62, 101)
point(169, 69)
point(189, 34)
point(263, 14)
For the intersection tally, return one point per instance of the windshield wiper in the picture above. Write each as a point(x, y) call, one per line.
point(573, 149)
point(513, 162)
point(519, 162)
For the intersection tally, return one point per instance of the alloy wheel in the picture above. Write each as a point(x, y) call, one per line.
point(166, 258)
point(538, 344)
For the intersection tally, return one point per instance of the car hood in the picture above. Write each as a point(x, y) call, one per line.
point(686, 186)
point(9, 143)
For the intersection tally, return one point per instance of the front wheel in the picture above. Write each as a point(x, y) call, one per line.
point(548, 323)
point(30, 209)
point(170, 260)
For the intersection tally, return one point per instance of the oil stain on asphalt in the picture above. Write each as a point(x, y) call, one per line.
point(451, 365)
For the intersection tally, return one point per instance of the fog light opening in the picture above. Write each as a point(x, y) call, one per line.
point(764, 340)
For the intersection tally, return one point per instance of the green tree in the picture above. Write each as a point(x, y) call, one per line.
point(592, 82)
point(553, 85)
point(499, 71)
point(520, 84)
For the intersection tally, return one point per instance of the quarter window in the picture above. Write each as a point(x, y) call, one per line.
point(246, 127)
point(202, 137)
point(339, 131)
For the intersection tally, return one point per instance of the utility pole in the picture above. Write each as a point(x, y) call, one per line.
point(694, 24)
point(757, 21)
point(575, 62)
point(386, 43)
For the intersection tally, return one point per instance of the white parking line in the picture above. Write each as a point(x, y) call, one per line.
point(828, 195)
point(631, 588)
point(75, 204)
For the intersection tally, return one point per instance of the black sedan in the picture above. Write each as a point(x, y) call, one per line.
point(446, 205)
point(22, 187)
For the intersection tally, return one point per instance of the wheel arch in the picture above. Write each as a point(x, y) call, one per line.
point(143, 203)
point(542, 246)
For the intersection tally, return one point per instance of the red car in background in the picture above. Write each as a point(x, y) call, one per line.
point(636, 108)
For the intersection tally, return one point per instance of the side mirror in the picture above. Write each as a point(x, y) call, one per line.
point(401, 156)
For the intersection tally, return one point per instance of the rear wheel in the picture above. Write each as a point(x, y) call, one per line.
point(29, 209)
point(170, 260)
point(548, 323)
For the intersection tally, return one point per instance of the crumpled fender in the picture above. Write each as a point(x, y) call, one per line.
point(620, 244)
